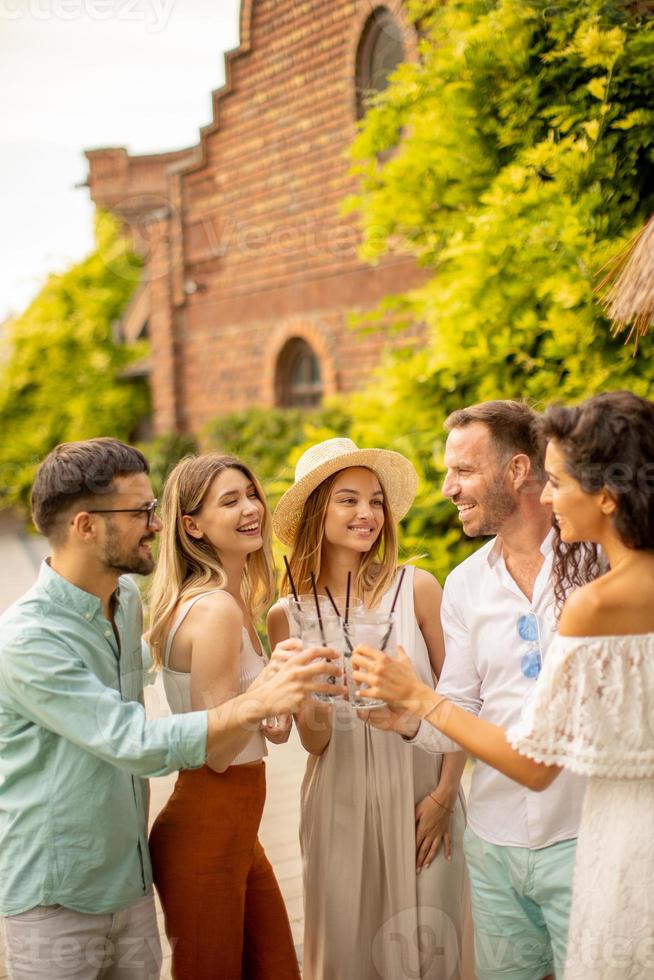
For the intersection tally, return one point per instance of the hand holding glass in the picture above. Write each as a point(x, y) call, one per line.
point(326, 631)
point(375, 630)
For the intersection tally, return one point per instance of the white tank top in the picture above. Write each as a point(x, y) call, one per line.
point(177, 684)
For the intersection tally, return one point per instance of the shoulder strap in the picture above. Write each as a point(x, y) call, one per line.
point(405, 598)
point(182, 613)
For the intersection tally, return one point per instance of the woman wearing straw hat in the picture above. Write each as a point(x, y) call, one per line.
point(223, 910)
point(382, 823)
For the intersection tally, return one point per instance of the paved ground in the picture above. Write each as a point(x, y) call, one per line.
point(20, 557)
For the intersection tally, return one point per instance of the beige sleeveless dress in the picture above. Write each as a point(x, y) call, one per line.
point(368, 915)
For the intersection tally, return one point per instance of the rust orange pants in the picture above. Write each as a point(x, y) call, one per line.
point(224, 913)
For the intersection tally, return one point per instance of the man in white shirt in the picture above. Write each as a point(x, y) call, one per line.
point(499, 618)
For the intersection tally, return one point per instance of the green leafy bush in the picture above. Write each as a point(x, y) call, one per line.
point(271, 440)
point(513, 160)
point(163, 452)
point(60, 379)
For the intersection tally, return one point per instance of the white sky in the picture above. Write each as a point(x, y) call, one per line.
point(79, 74)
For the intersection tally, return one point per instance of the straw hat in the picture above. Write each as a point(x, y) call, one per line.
point(396, 475)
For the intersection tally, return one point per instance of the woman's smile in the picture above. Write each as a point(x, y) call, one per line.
point(251, 530)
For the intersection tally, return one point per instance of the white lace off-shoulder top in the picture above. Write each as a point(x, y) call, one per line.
point(592, 709)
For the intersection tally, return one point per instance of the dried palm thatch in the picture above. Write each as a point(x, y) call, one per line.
point(629, 298)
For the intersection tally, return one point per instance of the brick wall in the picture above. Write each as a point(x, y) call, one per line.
point(253, 249)
point(133, 187)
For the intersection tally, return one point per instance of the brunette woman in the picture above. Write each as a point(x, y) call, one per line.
point(593, 704)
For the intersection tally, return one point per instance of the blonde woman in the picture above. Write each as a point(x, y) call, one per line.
point(223, 910)
point(382, 823)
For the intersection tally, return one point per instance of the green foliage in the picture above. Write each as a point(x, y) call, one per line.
point(513, 160)
point(162, 453)
point(271, 440)
point(61, 377)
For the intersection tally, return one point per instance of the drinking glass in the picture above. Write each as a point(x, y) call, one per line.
point(328, 632)
point(306, 605)
point(356, 606)
point(377, 630)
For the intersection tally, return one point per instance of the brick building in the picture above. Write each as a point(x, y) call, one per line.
point(251, 268)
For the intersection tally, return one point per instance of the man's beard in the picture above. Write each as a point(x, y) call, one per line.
point(493, 509)
point(119, 560)
point(496, 508)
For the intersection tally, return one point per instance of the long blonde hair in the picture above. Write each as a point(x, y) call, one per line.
point(377, 566)
point(188, 566)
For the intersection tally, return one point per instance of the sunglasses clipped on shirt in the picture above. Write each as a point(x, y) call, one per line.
point(149, 510)
point(531, 662)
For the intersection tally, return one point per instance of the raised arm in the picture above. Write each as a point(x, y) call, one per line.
point(45, 682)
point(280, 693)
point(458, 676)
point(396, 682)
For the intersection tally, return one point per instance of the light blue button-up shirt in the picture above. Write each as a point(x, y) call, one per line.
point(75, 748)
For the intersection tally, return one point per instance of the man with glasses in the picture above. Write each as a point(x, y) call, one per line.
point(498, 619)
point(75, 746)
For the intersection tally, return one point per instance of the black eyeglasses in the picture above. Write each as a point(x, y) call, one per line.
point(149, 510)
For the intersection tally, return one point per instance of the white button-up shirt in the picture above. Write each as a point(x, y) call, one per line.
point(482, 673)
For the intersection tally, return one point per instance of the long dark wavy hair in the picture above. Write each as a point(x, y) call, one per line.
point(607, 441)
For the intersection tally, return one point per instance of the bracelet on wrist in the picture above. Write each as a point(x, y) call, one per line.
point(434, 708)
point(441, 805)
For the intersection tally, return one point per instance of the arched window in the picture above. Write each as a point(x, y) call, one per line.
point(380, 51)
point(298, 382)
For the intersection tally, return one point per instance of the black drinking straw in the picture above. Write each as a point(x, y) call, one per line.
point(335, 607)
point(314, 589)
point(347, 596)
point(393, 604)
point(290, 580)
point(331, 599)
